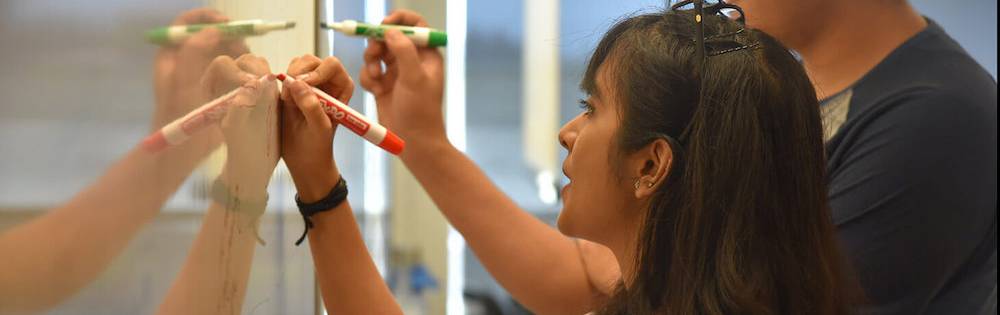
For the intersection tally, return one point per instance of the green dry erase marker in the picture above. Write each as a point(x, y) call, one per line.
point(421, 36)
point(177, 33)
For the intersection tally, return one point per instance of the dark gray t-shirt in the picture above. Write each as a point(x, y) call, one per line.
point(912, 151)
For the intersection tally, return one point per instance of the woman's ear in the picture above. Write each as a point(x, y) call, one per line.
point(652, 165)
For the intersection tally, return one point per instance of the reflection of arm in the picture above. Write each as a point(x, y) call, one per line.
point(214, 277)
point(51, 257)
point(538, 265)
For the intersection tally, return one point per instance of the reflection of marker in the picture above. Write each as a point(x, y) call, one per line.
point(178, 131)
point(177, 33)
point(421, 36)
point(361, 125)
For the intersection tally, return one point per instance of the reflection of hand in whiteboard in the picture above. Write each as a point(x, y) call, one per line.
point(180, 130)
point(251, 134)
point(177, 68)
point(214, 278)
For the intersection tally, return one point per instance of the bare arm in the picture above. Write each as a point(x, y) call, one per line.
point(49, 258)
point(214, 277)
point(348, 279)
point(545, 270)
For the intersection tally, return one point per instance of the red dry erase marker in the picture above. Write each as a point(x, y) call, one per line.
point(359, 124)
point(179, 130)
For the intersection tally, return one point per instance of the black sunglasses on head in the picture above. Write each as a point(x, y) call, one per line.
point(717, 7)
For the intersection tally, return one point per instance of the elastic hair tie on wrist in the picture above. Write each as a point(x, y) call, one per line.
point(333, 199)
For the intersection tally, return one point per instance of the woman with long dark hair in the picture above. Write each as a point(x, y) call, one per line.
point(698, 162)
point(734, 216)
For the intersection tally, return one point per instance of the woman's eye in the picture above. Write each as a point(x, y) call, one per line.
point(586, 107)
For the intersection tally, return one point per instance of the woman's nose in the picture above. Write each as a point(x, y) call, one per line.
point(567, 134)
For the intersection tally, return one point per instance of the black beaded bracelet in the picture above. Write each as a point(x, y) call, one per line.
point(336, 196)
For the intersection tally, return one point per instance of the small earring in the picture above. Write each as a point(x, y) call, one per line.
point(636, 184)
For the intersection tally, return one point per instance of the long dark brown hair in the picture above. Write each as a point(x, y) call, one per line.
point(741, 224)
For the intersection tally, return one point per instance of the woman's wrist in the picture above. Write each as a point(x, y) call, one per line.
point(242, 183)
point(425, 148)
point(314, 186)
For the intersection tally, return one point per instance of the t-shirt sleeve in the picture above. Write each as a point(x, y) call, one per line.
point(914, 194)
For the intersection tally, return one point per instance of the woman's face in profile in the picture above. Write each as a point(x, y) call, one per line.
point(595, 199)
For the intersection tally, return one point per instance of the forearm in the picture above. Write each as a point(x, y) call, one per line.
point(535, 263)
point(348, 279)
point(91, 229)
point(214, 277)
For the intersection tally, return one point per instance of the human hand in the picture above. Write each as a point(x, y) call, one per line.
point(178, 68)
point(409, 90)
point(250, 124)
point(307, 131)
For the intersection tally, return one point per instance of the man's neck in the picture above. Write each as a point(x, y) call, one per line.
point(855, 40)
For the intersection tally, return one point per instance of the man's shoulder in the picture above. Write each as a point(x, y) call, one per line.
point(931, 70)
